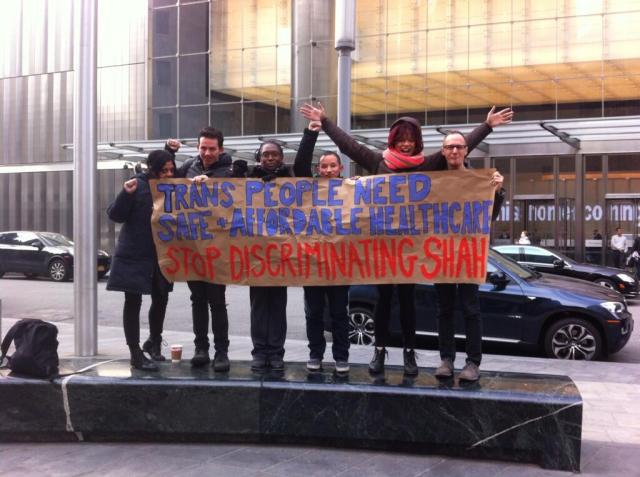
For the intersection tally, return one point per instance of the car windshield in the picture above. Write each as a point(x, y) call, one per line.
point(564, 257)
point(53, 239)
point(511, 266)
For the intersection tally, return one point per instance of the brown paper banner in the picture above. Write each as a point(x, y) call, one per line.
point(397, 228)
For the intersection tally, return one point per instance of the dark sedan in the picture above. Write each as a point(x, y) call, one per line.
point(562, 317)
point(547, 261)
point(42, 253)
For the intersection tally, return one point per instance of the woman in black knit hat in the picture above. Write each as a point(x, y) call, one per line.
point(135, 269)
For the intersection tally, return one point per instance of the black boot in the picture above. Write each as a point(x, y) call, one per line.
point(410, 365)
point(376, 366)
point(153, 347)
point(140, 361)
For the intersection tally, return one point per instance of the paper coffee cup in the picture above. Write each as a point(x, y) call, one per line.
point(176, 353)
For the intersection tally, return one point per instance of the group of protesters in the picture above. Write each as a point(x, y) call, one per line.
point(135, 269)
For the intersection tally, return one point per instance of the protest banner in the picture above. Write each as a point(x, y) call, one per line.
point(398, 228)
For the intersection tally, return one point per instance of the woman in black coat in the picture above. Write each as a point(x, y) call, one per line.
point(135, 269)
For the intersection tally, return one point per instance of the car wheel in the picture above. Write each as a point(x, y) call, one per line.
point(361, 326)
point(605, 282)
point(58, 270)
point(573, 338)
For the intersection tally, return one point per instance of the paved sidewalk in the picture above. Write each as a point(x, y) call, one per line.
point(610, 432)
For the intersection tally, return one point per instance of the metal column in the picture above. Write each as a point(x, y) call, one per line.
point(313, 65)
point(85, 224)
point(345, 44)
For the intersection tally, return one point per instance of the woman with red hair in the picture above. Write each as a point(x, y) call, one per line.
point(403, 154)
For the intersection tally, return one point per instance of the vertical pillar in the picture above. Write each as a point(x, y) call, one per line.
point(313, 65)
point(85, 177)
point(579, 207)
point(345, 37)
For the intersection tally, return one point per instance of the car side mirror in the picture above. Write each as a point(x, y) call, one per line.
point(559, 263)
point(498, 279)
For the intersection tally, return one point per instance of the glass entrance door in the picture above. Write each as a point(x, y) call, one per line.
point(536, 218)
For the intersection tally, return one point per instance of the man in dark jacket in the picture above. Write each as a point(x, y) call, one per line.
point(454, 150)
point(211, 161)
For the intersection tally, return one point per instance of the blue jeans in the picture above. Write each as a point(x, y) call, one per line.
point(314, 305)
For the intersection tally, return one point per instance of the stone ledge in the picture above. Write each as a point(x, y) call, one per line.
point(506, 416)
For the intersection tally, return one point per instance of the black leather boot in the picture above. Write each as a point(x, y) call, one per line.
point(153, 347)
point(376, 366)
point(141, 362)
point(410, 365)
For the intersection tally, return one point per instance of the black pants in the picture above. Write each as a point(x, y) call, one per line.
point(268, 321)
point(314, 301)
point(131, 315)
point(468, 297)
point(407, 314)
point(618, 259)
point(205, 296)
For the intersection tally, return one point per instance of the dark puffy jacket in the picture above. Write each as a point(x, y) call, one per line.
point(135, 257)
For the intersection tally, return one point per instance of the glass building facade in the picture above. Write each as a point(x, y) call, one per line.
point(168, 67)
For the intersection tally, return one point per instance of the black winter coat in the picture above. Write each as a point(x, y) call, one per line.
point(135, 260)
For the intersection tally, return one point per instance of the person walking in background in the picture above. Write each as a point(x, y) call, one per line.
point(135, 269)
point(403, 154)
point(524, 238)
point(618, 246)
point(337, 297)
point(634, 258)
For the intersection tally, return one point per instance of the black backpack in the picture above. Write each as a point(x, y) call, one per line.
point(36, 351)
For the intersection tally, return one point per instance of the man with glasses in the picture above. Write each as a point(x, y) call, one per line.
point(454, 149)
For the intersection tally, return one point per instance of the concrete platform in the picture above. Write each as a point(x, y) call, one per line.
point(505, 416)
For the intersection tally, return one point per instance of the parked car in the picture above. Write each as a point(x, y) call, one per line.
point(547, 261)
point(42, 253)
point(564, 318)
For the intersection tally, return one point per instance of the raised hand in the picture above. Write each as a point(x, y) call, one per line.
point(130, 186)
point(173, 144)
point(497, 180)
point(313, 113)
point(314, 126)
point(503, 116)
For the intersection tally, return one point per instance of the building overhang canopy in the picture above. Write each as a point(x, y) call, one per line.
point(618, 135)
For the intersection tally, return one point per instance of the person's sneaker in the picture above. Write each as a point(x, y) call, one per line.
point(376, 365)
point(314, 364)
point(200, 358)
point(258, 364)
point(410, 365)
point(276, 363)
point(445, 370)
point(470, 372)
point(153, 348)
point(342, 367)
point(221, 362)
